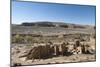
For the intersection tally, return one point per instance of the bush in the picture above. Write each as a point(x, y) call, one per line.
point(17, 39)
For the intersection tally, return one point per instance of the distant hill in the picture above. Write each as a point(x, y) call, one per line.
point(54, 24)
point(45, 27)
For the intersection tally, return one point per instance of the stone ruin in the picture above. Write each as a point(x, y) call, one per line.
point(44, 51)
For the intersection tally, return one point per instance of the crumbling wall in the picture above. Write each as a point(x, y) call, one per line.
point(43, 51)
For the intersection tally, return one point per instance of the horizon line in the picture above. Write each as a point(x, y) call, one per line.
point(55, 22)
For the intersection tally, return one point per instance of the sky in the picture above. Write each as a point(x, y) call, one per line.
point(67, 13)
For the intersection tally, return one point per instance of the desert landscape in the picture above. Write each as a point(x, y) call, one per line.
point(47, 42)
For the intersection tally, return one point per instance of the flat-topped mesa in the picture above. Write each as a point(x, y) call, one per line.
point(40, 24)
point(54, 24)
point(28, 24)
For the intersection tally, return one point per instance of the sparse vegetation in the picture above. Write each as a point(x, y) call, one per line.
point(68, 44)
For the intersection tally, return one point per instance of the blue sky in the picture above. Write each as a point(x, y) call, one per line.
point(32, 12)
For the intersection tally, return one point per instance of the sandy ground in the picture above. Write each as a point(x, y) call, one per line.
point(20, 50)
point(55, 60)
